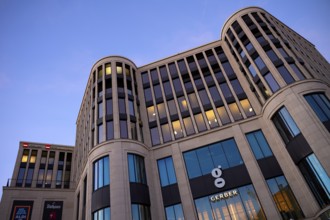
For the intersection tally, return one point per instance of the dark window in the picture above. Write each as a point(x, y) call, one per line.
point(101, 173)
point(317, 179)
point(147, 94)
point(167, 88)
point(215, 94)
point(173, 70)
point(297, 71)
point(285, 125)
point(271, 82)
point(123, 129)
point(177, 85)
point(203, 160)
point(285, 74)
point(272, 56)
point(100, 137)
point(122, 106)
point(283, 53)
point(284, 198)
point(145, 78)
point(182, 67)
point(157, 91)
point(228, 69)
point(100, 110)
point(166, 133)
point(109, 107)
point(172, 107)
point(154, 75)
point(259, 62)
point(204, 97)
point(136, 169)
point(237, 87)
point(154, 136)
point(110, 130)
point(258, 144)
point(131, 107)
point(163, 72)
point(320, 104)
point(166, 171)
point(225, 90)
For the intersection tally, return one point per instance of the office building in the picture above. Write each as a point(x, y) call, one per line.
point(234, 129)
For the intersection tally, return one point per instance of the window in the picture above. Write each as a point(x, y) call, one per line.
point(100, 110)
point(131, 107)
point(244, 206)
point(215, 94)
point(258, 144)
point(140, 212)
point(212, 120)
point(193, 101)
point(101, 173)
point(166, 133)
point(136, 169)
point(202, 160)
point(108, 69)
point(177, 85)
point(177, 130)
point(161, 110)
point(119, 68)
point(151, 113)
point(260, 64)
point(248, 110)
point(147, 94)
point(271, 82)
point(223, 115)
point(174, 212)
point(172, 107)
point(109, 107)
point(236, 113)
point(166, 171)
point(204, 97)
point(272, 55)
point(122, 106)
point(123, 129)
point(20, 176)
point(102, 214)
point(226, 91)
point(228, 69)
point(25, 156)
point(320, 104)
point(110, 131)
point(99, 73)
point(154, 136)
point(158, 92)
point(100, 137)
point(237, 87)
point(297, 71)
point(167, 88)
point(285, 125)
point(188, 126)
point(200, 122)
point(284, 198)
point(317, 179)
point(183, 104)
point(285, 74)
point(133, 130)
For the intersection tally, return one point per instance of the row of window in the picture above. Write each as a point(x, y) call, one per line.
point(45, 172)
point(204, 97)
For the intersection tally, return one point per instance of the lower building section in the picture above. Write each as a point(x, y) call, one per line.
point(21, 204)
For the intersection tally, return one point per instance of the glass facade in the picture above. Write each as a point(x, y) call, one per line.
point(258, 144)
point(286, 203)
point(320, 104)
point(174, 212)
point(102, 214)
point(166, 171)
point(101, 173)
point(285, 125)
point(136, 169)
point(201, 161)
point(238, 203)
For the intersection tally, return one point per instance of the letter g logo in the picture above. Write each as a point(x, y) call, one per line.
point(216, 173)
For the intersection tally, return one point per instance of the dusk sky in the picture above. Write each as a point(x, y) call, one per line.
point(47, 49)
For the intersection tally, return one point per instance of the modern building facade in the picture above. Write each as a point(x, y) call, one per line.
point(234, 129)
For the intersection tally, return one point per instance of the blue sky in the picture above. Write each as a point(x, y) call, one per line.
point(47, 49)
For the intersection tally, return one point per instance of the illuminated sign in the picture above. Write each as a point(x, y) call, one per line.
point(21, 210)
point(216, 173)
point(224, 195)
point(53, 210)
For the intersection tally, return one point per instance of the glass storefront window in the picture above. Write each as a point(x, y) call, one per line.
point(201, 161)
point(174, 212)
point(238, 203)
point(140, 212)
point(284, 198)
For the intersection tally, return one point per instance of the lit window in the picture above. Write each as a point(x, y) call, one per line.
point(25, 156)
point(223, 115)
point(161, 110)
point(188, 126)
point(212, 120)
point(248, 110)
point(119, 68)
point(166, 133)
point(177, 130)
point(200, 122)
point(151, 113)
point(108, 69)
point(236, 113)
point(183, 104)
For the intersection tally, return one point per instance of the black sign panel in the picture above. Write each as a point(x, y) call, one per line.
point(53, 210)
point(21, 210)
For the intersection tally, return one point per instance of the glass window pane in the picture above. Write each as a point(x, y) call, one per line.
point(236, 113)
point(192, 164)
point(131, 168)
point(167, 88)
point(200, 122)
point(211, 119)
point(169, 211)
point(271, 82)
point(100, 172)
point(151, 113)
point(188, 126)
point(162, 172)
point(170, 170)
point(178, 212)
point(231, 151)
point(248, 110)
point(166, 133)
point(123, 129)
point(108, 68)
point(177, 130)
point(122, 106)
point(172, 107)
point(285, 74)
point(154, 136)
point(193, 101)
point(110, 131)
point(204, 97)
point(297, 71)
point(215, 94)
point(158, 92)
point(183, 104)
point(218, 155)
point(161, 110)
point(109, 107)
point(223, 115)
point(205, 160)
point(106, 171)
point(288, 120)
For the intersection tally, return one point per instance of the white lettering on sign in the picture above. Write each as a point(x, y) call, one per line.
point(224, 195)
point(216, 173)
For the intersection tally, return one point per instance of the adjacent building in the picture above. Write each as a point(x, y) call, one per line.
point(234, 129)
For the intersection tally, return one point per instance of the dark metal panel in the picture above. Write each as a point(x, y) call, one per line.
point(298, 148)
point(270, 167)
point(101, 198)
point(171, 194)
point(139, 193)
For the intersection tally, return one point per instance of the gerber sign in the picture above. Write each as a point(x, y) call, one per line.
point(224, 195)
